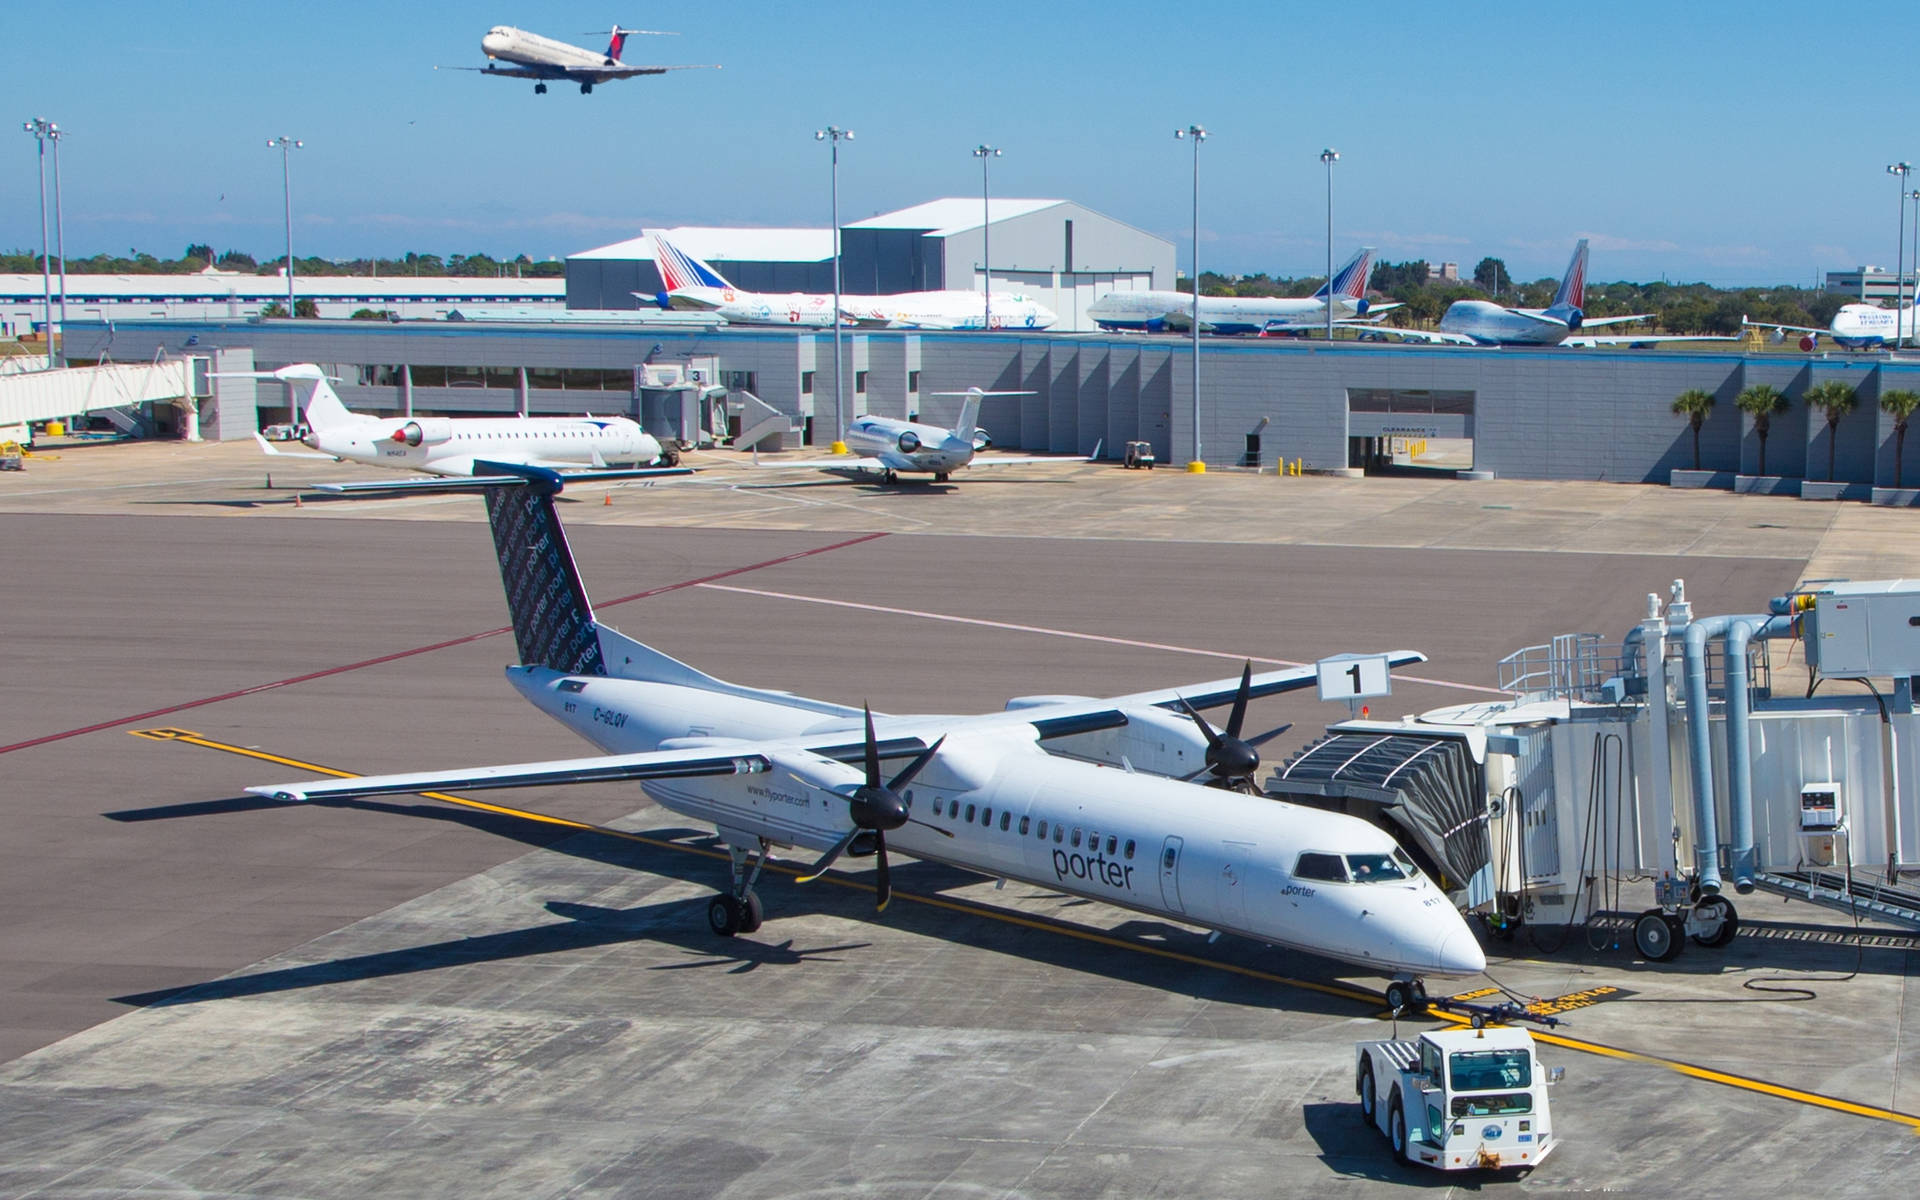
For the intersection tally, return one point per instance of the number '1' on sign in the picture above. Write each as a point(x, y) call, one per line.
point(1354, 676)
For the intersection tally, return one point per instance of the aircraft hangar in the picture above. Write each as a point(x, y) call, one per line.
point(1062, 254)
point(1520, 414)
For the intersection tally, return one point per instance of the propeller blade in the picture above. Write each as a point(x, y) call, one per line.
point(1193, 775)
point(826, 860)
point(925, 825)
point(1239, 714)
point(873, 751)
point(1213, 739)
point(883, 885)
point(913, 768)
point(1269, 735)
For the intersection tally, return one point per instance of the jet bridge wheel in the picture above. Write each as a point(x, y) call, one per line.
point(1714, 922)
point(1657, 936)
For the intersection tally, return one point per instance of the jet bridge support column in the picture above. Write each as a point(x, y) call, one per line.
point(520, 391)
point(1653, 641)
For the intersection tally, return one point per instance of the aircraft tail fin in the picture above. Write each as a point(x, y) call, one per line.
point(969, 418)
point(1573, 285)
point(323, 407)
point(615, 45)
point(678, 269)
point(1351, 279)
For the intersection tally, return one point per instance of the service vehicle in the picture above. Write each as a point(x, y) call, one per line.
point(1459, 1099)
point(1139, 454)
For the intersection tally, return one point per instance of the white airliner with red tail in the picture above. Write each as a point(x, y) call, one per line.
point(530, 56)
point(1077, 794)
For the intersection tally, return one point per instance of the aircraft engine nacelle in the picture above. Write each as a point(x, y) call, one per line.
point(427, 431)
point(662, 300)
point(1809, 342)
point(1157, 325)
point(1153, 741)
point(909, 442)
point(1574, 319)
point(1778, 336)
point(1361, 306)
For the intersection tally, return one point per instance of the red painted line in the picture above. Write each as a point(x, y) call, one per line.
point(400, 654)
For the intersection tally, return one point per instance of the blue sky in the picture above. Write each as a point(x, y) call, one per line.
point(1737, 143)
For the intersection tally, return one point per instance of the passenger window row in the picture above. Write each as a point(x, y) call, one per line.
point(984, 816)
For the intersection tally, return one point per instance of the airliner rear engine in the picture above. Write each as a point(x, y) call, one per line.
point(429, 431)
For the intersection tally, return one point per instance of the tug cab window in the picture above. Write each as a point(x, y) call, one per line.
point(1329, 867)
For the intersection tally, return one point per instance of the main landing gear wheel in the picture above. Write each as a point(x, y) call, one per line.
point(751, 913)
point(726, 916)
point(1655, 936)
point(1714, 922)
point(941, 476)
point(586, 89)
point(539, 89)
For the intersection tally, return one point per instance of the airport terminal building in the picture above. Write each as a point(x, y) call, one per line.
point(1526, 413)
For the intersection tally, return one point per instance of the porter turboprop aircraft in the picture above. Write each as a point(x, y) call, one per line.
point(452, 445)
point(1484, 323)
point(1155, 312)
point(543, 59)
point(1072, 793)
point(891, 448)
point(692, 284)
point(1855, 327)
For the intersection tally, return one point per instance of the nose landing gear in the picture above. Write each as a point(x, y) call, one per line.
point(1407, 997)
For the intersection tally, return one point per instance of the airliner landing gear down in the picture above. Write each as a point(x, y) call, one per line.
point(586, 89)
point(739, 911)
point(539, 89)
point(1407, 997)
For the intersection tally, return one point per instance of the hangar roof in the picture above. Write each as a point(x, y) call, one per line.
point(733, 244)
point(951, 215)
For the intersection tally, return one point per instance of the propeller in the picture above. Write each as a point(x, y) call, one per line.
point(1232, 759)
point(875, 807)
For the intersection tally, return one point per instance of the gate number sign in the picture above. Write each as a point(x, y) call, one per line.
point(1354, 677)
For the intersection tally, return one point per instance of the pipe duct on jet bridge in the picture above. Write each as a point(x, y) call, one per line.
point(1736, 632)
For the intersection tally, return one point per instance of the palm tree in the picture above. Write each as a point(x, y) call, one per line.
point(1899, 405)
point(1835, 400)
point(1762, 402)
point(1694, 404)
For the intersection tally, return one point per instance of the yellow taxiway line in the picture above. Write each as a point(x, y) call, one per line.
point(1691, 1070)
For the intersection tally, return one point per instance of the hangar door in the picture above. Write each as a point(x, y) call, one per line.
point(1409, 430)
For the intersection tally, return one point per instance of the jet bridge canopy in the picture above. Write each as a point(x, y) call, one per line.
point(1426, 790)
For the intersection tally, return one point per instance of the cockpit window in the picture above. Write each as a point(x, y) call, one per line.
point(1406, 863)
point(1320, 866)
point(1374, 868)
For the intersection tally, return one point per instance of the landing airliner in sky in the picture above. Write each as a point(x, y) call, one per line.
point(1154, 312)
point(1484, 323)
point(891, 448)
point(544, 59)
point(1855, 327)
point(1074, 794)
point(692, 284)
point(452, 445)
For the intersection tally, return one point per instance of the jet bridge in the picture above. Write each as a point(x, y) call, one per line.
point(1692, 752)
point(30, 397)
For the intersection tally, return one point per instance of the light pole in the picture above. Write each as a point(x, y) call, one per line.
point(1900, 171)
point(1196, 134)
point(1329, 156)
point(1912, 332)
point(986, 154)
point(286, 146)
point(42, 129)
point(54, 135)
point(834, 135)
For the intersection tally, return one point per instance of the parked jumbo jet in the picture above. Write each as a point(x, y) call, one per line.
point(453, 445)
point(543, 59)
point(692, 284)
point(1484, 323)
point(1855, 327)
point(1110, 817)
point(1155, 312)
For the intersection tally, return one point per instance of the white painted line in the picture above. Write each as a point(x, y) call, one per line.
point(1065, 633)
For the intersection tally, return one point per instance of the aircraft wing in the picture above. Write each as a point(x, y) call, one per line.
point(1598, 322)
point(270, 448)
point(998, 460)
point(1081, 716)
point(836, 463)
point(623, 71)
point(1789, 328)
point(1430, 336)
point(1648, 339)
point(450, 483)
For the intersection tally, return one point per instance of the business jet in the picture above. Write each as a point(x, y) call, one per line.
point(453, 445)
point(1109, 819)
point(692, 284)
point(1158, 312)
point(890, 448)
point(1484, 323)
point(544, 59)
point(1854, 327)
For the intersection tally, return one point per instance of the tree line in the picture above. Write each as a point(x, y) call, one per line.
point(199, 256)
point(1674, 307)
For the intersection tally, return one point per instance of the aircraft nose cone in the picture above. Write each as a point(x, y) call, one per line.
point(1460, 954)
point(493, 43)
